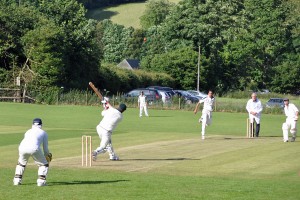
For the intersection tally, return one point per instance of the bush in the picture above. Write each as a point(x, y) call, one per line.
point(115, 79)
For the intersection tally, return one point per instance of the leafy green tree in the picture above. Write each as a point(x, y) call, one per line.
point(179, 64)
point(15, 21)
point(194, 23)
point(115, 41)
point(155, 13)
point(82, 54)
point(286, 79)
point(135, 44)
point(43, 49)
point(260, 46)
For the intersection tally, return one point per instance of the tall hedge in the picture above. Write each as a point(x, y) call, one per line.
point(115, 79)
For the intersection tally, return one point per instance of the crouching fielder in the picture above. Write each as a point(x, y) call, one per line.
point(30, 147)
point(111, 118)
point(206, 118)
point(291, 112)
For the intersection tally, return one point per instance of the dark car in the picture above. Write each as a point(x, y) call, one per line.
point(163, 88)
point(186, 96)
point(275, 102)
point(151, 94)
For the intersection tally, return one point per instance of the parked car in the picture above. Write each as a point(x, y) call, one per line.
point(165, 96)
point(199, 95)
point(162, 88)
point(186, 96)
point(151, 94)
point(275, 102)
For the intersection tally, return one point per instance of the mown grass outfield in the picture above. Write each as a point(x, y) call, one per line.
point(162, 156)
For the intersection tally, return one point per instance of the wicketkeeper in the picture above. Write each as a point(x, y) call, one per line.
point(110, 120)
point(291, 112)
point(206, 118)
point(30, 147)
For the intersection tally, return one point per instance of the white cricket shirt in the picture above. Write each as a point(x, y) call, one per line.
point(291, 111)
point(33, 139)
point(111, 118)
point(208, 103)
point(142, 100)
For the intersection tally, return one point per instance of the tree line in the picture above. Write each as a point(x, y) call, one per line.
point(244, 44)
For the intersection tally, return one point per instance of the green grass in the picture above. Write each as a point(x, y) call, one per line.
point(124, 14)
point(162, 156)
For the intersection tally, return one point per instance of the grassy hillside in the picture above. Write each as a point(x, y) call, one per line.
point(125, 14)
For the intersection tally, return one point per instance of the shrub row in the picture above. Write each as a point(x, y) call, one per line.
point(115, 79)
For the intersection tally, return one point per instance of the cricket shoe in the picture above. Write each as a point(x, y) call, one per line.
point(17, 181)
point(94, 155)
point(114, 158)
point(285, 140)
point(41, 182)
point(293, 139)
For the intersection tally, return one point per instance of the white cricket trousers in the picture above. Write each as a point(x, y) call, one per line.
point(206, 120)
point(105, 143)
point(24, 154)
point(143, 107)
point(290, 124)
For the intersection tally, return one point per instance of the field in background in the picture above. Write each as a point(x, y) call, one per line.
point(162, 156)
point(124, 14)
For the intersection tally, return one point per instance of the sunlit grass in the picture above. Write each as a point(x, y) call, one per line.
point(159, 155)
point(127, 15)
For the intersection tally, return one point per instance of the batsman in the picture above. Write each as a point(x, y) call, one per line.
point(30, 147)
point(110, 120)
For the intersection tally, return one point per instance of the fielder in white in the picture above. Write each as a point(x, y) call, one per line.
point(142, 104)
point(30, 147)
point(291, 112)
point(206, 118)
point(254, 108)
point(110, 120)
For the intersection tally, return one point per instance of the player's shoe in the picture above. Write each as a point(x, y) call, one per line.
point(94, 155)
point(41, 182)
point(114, 158)
point(285, 140)
point(293, 139)
point(17, 181)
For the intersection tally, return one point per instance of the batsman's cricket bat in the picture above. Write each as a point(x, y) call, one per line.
point(96, 90)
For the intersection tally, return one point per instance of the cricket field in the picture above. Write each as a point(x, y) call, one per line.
point(162, 156)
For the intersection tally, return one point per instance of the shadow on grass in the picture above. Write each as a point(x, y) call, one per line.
point(243, 138)
point(83, 182)
point(101, 14)
point(158, 159)
point(161, 116)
